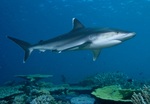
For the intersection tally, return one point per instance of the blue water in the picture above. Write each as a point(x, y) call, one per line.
point(35, 20)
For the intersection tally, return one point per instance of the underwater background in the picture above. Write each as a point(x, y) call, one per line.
point(35, 20)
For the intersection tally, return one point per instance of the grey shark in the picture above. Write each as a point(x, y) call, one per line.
point(79, 38)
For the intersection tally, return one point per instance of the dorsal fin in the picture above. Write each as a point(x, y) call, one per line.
point(77, 24)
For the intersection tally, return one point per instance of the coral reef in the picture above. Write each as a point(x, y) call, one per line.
point(7, 92)
point(105, 88)
point(112, 78)
point(20, 99)
point(113, 93)
point(44, 99)
point(33, 78)
point(66, 89)
point(41, 92)
point(143, 97)
point(3, 102)
point(82, 99)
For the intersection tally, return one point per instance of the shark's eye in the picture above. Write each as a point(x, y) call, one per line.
point(117, 32)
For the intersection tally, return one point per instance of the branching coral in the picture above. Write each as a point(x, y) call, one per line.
point(20, 99)
point(143, 97)
point(44, 99)
point(106, 79)
point(7, 92)
point(3, 102)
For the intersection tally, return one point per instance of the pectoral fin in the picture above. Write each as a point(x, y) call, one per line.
point(96, 54)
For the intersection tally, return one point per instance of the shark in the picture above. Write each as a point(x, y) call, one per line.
point(79, 38)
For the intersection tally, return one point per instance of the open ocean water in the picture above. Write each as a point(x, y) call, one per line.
point(35, 20)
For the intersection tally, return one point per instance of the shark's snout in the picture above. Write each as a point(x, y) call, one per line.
point(131, 34)
point(126, 36)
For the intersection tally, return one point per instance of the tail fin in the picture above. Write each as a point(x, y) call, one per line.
point(23, 45)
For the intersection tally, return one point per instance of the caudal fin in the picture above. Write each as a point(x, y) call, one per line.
point(24, 45)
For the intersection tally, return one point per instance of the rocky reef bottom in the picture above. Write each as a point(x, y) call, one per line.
point(104, 88)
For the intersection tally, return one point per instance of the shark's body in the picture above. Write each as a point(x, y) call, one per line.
point(79, 38)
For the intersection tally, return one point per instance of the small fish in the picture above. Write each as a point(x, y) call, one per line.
point(130, 80)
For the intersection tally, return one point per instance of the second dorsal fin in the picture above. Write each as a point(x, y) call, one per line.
point(77, 24)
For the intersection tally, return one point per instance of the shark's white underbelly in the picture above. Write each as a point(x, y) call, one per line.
point(104, 44)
